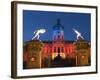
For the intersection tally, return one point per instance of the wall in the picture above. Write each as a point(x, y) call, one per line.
point(5, 40)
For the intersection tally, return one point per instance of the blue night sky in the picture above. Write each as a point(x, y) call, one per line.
point(33, 20)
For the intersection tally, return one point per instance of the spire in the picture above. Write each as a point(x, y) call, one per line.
point(58, 25)
point(58, 21)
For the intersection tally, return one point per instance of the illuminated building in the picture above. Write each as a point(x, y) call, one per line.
point(58, 45)
point(58, 52)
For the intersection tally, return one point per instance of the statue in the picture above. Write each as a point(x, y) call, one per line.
point(37, 33)
point(78, 34)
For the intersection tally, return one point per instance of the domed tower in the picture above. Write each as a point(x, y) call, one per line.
point(58, 33)
point(58, 40)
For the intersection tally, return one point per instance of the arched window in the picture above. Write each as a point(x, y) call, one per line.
point(62, 37)
point(58, 49)
point(54, 49)
point(62, 49)
point(58, 36)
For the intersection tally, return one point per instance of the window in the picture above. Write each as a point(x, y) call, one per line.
point(62, 49)
point(54, 49)
point(58, 50)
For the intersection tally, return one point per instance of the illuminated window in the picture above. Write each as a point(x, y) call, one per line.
point(62, 49)
point(58, 50)
point(58, 36)
point(54, 49)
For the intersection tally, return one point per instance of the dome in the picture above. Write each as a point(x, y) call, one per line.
point(58, 25)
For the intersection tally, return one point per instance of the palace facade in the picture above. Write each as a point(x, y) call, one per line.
point(58, 45)
point(58, 52)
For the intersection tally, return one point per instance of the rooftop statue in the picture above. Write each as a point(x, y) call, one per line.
point(37, 33)
point(78, 34)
